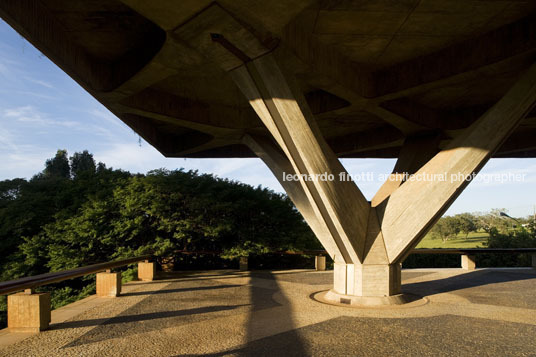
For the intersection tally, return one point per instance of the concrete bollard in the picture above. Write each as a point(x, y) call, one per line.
point(146, 271)
point(28, 311)
point(108, 284)
point(243, 263)
point(468, 262)
point(320, 263)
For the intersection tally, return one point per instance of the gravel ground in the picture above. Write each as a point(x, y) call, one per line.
point(486, 312)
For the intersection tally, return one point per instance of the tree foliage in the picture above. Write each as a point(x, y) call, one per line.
point(58, 166)
point(467, 223)
point(447, 227)
point(58, 220)
point(82, 163)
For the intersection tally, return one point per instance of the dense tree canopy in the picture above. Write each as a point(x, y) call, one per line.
point(77, 212)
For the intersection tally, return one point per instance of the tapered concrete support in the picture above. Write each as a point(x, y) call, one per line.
point(243, 263)
point(367, 280)
point(468, 262)
point(412, 209)
point(28, 312)
point(146, 271)
point(108, 284)
point(268, 151)
point(338, 205)
point(415, 152)
point(320, 263)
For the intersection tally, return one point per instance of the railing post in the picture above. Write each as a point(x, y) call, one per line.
point(108, 284)
point(468, 262)
point(243, 263)
point(534, 260)
point(146, 271)
point(320, 263)
point(28, 311)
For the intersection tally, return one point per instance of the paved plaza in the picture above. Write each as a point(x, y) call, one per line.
point(273, 313)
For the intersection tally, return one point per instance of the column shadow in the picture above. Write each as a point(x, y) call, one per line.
point(157, 311)
point(465, 281)
point(286, 343)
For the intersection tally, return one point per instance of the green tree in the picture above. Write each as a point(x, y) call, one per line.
point(446, 228)
point(82, 162)
point(493, 220)
point(58, 166)
point(467, 223)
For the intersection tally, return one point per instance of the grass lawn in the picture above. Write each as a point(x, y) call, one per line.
point(474, 240)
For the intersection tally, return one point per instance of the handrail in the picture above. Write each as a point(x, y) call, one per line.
point(414, 251)
point(472, 250)
point(284, 252)
point(31, 282)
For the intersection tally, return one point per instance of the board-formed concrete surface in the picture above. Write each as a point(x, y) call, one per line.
point(372, 72)
point(485, 312)
point(440, 85)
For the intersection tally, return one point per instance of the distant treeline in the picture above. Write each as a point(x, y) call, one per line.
point(495, 223)
point(502, 230)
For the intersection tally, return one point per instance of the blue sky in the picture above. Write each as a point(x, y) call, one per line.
point(42, 110)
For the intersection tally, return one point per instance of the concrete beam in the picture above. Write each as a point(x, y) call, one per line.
point(415, 152)
point(268, 151)
point(415, 206)
point(431, 118)
point(284, 111)
point(505, 42)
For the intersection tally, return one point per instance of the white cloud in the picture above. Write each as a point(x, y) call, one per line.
point(106, 116)
point(4, 71)
point(131, 157)
point(30, 115)
point(40, 82)
point(25, 114)
point(22, 160)
point(7, 139)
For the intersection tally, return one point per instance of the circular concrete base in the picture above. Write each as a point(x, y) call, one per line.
point(399, 300)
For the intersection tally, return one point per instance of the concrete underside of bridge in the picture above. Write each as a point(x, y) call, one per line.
point(441, 85)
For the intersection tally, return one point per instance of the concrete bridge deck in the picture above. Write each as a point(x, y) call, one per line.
point(484, 312)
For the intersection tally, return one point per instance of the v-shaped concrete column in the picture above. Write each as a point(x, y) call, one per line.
point(367, 242)
point(335, 208)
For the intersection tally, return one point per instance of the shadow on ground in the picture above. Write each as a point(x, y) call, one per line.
point(199, 301)
point(495, 287)
point(362, 336)
point(288, 343)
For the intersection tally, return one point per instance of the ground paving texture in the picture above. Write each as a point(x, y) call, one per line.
point(488, 312)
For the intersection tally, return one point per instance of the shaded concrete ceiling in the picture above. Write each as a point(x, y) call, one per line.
point(373, 71)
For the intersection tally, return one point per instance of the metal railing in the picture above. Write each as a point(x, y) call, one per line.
point(472, 251)
point(32, 282)
point(460, 251)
